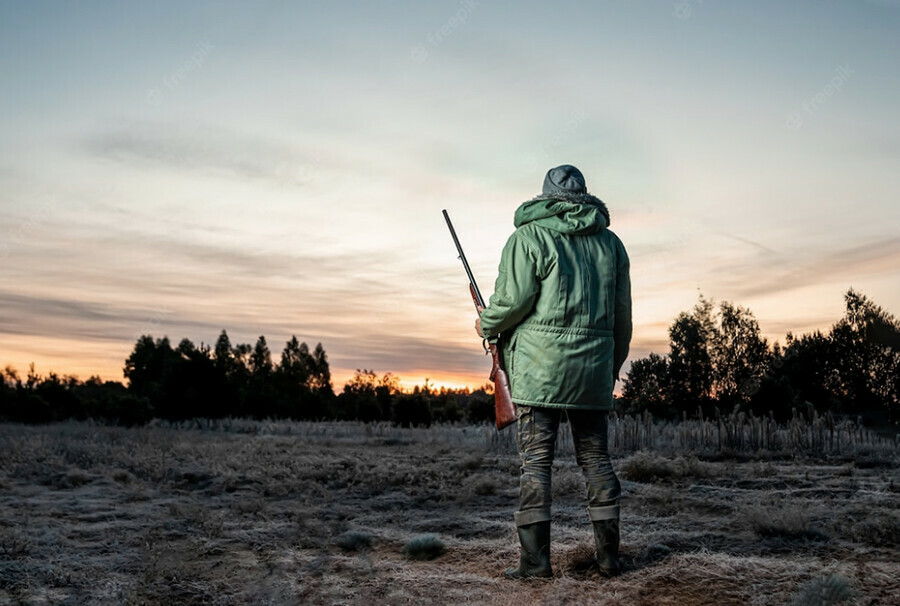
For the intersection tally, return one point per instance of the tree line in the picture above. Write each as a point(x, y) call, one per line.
point(187, 381)
point(718, 360)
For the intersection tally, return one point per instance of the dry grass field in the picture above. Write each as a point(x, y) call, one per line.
point(240, 512)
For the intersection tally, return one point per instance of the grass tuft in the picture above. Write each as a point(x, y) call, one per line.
point(786, 524)
point(878, 529)
point(481, 485)
point(567, 482)
point(823, 592)
point(424, 547)
point(644, 467)
point(123, 476)
point(354, 541)
point(13, 545)
point(72, 478)
point(472, 462)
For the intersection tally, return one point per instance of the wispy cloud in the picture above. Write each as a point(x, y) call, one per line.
point(754, 276)
point(358, 305)
point(211, 150)
point(369, 345)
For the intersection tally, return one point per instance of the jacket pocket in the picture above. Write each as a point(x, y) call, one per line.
point(509, 358)
point(562, 300)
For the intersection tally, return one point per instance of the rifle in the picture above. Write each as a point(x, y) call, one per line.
point(504, 408)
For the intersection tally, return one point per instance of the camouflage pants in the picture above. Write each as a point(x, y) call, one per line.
point(536, 439)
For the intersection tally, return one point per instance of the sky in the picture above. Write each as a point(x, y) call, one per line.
point(278, 168)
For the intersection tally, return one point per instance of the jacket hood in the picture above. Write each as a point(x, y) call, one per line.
point(576, 214)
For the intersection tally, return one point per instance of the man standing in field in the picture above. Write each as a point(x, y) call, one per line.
point(562, 303)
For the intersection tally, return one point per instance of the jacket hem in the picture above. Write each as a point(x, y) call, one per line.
point(522, 402)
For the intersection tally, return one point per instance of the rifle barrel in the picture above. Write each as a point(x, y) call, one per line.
point(462, 257)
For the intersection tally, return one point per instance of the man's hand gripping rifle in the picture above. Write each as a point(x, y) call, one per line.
point(504, 408)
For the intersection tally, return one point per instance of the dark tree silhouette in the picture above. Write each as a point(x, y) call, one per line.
point(740, 355)
point(296, 362)
point(321, 374)
point(147, 366)
point(717, 360)
point(228, 380)
point(291, 381)
point(645, 387)
point(720, 359)
point(690, 368)
point(359, 399)
point(261, 359)
point(223, 355)
point(801, 372)
point(866, 362)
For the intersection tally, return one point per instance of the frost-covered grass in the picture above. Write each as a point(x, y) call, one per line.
point(242, 512)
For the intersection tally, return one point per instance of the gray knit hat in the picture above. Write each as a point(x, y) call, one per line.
point(564, 179)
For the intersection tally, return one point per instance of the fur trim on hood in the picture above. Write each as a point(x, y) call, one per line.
point(575, 199)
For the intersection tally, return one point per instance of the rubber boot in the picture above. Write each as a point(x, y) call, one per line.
point(534, 561)
point(606, 538)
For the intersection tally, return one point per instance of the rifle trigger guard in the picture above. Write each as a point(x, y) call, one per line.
point(487, 348)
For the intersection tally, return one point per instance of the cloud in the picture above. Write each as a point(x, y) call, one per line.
point(213, 151)
point(753, 243)
point(369, 309)
point(753, 278)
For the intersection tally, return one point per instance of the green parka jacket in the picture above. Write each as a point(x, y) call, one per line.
point(562, 304)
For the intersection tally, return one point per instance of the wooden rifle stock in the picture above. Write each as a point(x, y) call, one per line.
point(504, 407)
